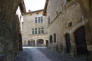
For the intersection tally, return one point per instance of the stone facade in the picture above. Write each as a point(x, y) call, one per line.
point(30, 24)
point(66, 20)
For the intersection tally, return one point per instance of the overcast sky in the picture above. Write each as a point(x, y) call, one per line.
point(34, 5)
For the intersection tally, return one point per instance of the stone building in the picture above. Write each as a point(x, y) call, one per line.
point(66, 27)
point(34, 29)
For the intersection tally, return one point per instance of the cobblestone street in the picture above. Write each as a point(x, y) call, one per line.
point(44, 54)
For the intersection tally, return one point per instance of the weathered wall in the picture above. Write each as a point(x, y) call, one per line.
point(9, 30)
point(66, 19)
point(54, 10)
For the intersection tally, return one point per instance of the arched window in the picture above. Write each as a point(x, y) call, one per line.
point(54, 37)
point(50, 39)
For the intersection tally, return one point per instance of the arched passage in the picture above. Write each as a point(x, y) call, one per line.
point(29, 42)
point(32, 42)
point(40, 42)
point(80, 41)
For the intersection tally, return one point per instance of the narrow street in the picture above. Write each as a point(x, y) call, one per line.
point(44, 54)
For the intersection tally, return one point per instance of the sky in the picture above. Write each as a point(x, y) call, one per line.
point(34, 5)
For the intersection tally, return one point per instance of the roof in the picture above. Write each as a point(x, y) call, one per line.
point(37, 11)
point(22, 6)
point(45, 8)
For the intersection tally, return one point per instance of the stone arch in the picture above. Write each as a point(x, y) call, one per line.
point(40, 42)
point(29, 42)
point(32, 42)
point(80, 41)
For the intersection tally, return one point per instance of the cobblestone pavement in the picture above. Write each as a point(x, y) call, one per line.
point(44, 54)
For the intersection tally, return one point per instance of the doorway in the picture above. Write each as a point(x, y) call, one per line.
point(47, 43)
point(32, 42)
point(50, 39)
point(40, 42)
point(29, 43)
point(80, 41)
point(68, 44)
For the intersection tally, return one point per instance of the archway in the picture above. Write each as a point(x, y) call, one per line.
point(50, 39)
point(29, 42)
point(80, 41)
point(32, 42)
point(40, 42)
point(68, 44)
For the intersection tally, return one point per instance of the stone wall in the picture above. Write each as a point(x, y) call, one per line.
point(9, 30)
point(65, 20)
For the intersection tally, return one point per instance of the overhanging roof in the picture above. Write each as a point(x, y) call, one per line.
point(22, 6)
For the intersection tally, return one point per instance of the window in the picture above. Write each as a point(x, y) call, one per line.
point(35, 19)
point(54, 37)
point(42, 30)
point(41, 19)
point(35, 30)
point(50, 39)
point(39, 30)
point(32, 31)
